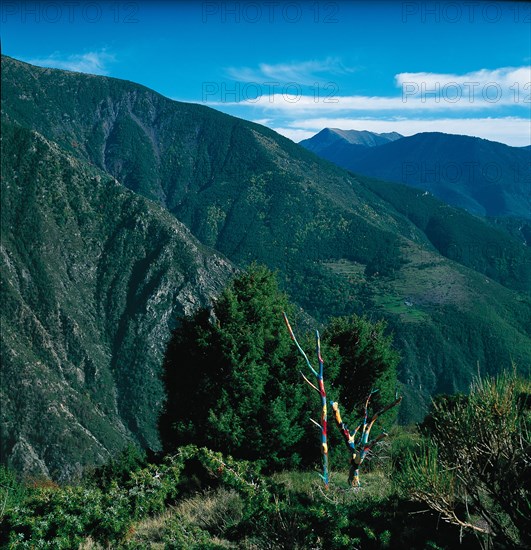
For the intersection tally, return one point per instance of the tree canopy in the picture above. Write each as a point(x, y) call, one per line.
point(232, 374)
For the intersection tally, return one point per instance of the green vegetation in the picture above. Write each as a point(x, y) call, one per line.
point(474, 466)
point(92, 278)
point(470, 466)
point(233, 382)
point(367, 362)
point(232, 506)
point(484, 177)
point(462, 238)
point(197, 498)
point(233, 385)
point(96, 269)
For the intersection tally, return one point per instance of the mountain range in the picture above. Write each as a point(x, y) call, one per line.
point(484, 177)
point(123, 209)
point(328, 140)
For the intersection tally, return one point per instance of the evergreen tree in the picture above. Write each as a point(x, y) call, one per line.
point(232, 379)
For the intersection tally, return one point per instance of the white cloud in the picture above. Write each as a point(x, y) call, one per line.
point(513, 131)
point(91, 62)
point(302, 73)
point(492, 104)
point(506, 87)
point(295, 134)
point(293, 100)
point(504, 76)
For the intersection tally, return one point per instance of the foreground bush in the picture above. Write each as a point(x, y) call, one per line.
point(475, 466)
point(233, 506)
point(111, 501)
point(50, 516)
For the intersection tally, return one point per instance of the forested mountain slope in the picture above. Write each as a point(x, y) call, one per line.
point(342, 243)
point(93, 278)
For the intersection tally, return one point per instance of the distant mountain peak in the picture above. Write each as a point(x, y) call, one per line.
point(485, 177)
point(336, 136)
point(365, 137)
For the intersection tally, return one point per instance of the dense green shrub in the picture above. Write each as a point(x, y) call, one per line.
point(63, 517)
point(12, 491)
point(119, 468)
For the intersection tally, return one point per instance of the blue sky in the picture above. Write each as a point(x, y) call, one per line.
point(297, 67)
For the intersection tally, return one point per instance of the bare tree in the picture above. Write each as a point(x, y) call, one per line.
point(358, 441)
point(320, 389)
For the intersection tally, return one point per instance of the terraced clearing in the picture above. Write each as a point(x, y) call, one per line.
point(426, 281)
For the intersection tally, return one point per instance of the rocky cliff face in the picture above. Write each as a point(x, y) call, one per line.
point(93, 279)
